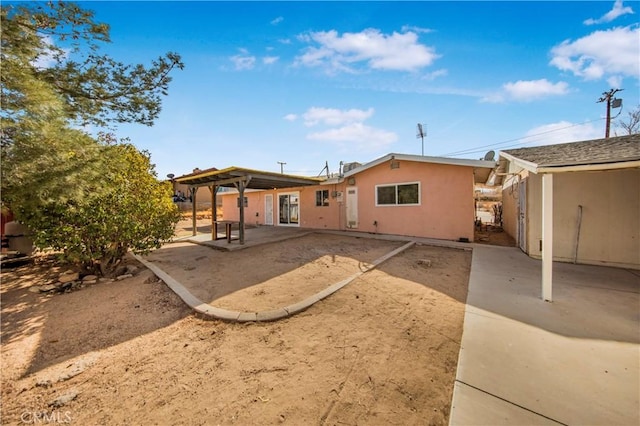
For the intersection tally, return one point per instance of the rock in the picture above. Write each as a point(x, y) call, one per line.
point(425, 262)
point(123, 277)
point(152, 279)
point(34, 289)
point(67, 277)
point(47, 288)
point(64, 399)
point(132, 269)
point(62, 287)
point(44, 383)
point(87, 278)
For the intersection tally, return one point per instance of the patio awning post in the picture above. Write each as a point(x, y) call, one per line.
point(194, 189)
point(547, 236)
point(214, 210)
point(240, 186)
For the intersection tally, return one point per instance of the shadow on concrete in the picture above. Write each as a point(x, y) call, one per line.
point(593, 302)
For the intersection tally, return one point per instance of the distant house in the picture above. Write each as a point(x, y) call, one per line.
point(578, 201)
point(410, 195)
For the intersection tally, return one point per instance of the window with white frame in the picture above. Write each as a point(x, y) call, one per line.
point(322, 198)
point(399, 194)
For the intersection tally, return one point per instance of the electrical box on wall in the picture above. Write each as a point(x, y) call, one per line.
point(339, 196)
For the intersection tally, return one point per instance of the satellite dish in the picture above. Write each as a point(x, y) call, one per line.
point(171, 175)
point(489, 156)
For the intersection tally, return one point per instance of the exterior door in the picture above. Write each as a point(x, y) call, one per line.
point(352, 207)
point(522, 216)
point(268, 209)
point(289, 209)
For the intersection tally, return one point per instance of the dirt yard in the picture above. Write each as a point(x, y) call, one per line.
point(383, 350)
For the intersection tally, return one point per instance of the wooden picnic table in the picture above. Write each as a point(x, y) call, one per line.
point(228, 224)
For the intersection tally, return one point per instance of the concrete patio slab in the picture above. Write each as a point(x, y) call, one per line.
point(573, 361)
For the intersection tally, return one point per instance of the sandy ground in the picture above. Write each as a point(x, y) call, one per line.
point(383, 350)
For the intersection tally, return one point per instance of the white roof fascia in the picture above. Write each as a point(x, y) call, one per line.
point(423, 159)
point(591, 167)
point(532, 167)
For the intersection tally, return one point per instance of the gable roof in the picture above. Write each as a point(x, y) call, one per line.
point(598, 154)
point(481, 168)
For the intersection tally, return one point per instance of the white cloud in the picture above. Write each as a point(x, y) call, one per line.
point(345, 128)
point(284, 41)
point(562, 132)
point(267, 60)
point(358, 135)
point(334, 117)
point(418, 30)
point(277, 20)
point(243, 61)
point(45, 59)
point(435, 74)
point(615, 81)
point(343, 53)
point(527, 90)
point(600, 54)
point(534, 89)
point(617, 11)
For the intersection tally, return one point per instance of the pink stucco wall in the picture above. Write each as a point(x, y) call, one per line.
point(446, 209)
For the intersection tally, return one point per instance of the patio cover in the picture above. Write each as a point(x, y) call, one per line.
point(620, 152)
point(241, 179)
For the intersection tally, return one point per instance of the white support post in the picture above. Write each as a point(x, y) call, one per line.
point(547, 236)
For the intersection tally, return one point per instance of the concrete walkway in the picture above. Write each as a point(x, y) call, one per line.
point(524, 361)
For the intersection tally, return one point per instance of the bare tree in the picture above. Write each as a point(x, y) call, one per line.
point(631, 125)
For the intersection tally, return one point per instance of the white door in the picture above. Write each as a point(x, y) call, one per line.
point(522, 215)
point(352, 207)
point(268, 209)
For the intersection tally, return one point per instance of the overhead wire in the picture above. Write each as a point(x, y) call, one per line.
point(509, 143)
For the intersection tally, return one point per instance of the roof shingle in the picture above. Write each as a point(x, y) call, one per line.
point(599, 151)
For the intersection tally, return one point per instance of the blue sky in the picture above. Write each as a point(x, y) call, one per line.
point(309, 82)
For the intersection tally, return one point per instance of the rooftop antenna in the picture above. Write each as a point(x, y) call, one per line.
point(326, 167)
point(421, 133)
point(281, 167)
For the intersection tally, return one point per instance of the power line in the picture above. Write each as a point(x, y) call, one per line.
point(507, 142)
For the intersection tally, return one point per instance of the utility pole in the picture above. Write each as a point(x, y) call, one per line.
point(608, 97)
point(281, 167)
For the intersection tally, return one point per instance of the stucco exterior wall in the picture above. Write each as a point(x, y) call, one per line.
point(610, 229)
point(446, 209)
point(510, 199)
point(253, 213)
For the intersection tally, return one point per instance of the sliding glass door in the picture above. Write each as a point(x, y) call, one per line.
point(289, 208)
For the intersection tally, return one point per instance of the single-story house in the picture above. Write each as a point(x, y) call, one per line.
point(400, 194)
point(574, 202)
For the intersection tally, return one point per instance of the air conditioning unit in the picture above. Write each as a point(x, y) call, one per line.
point(350, 166)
